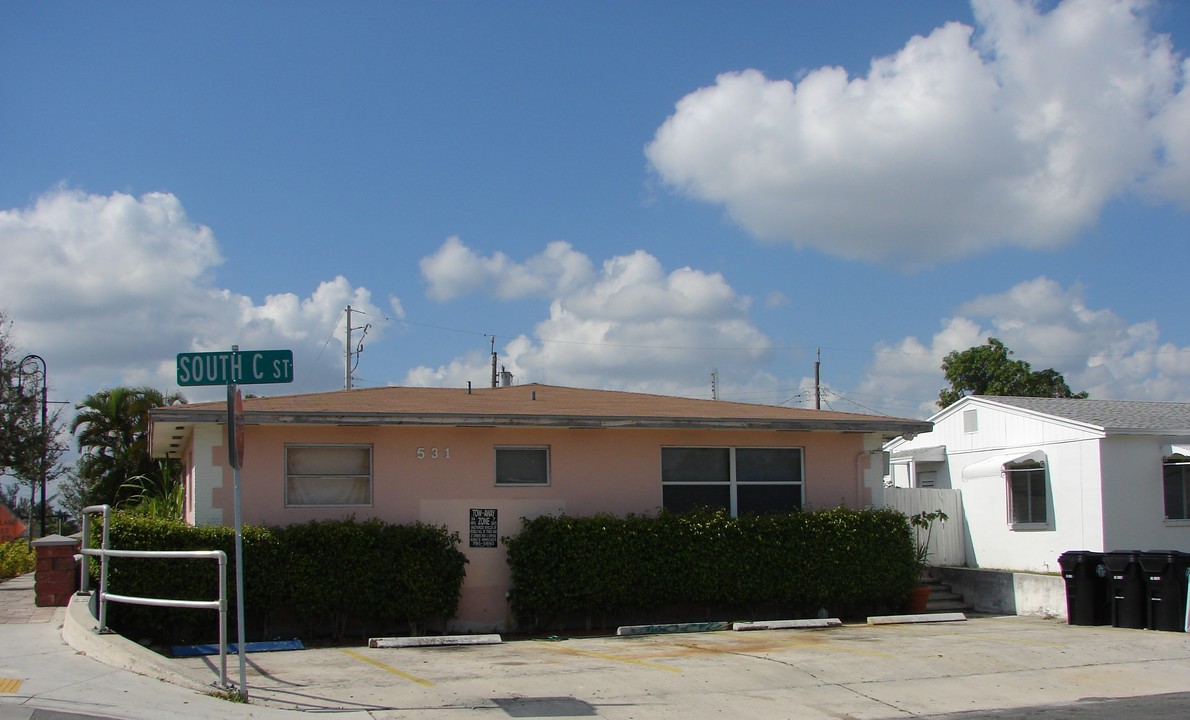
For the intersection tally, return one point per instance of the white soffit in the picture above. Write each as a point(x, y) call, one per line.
point(936, 453)
point(994, 466)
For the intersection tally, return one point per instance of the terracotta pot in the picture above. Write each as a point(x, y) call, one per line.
point(919, 597)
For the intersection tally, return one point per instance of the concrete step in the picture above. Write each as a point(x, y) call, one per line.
point(943, 599)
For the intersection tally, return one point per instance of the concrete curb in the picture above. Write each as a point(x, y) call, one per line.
point(628, 630)
point(434, 641)
point(788, 624)
point(115, 650)
point(924, 618)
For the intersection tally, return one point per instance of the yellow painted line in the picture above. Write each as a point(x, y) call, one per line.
point(10, 685)
point(388, 668)
point(604, 656)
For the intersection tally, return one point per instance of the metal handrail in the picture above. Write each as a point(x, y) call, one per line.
point(104, 552)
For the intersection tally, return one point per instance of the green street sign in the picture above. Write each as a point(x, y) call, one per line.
point(241, 367)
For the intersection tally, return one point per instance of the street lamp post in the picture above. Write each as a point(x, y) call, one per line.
point(44, 440)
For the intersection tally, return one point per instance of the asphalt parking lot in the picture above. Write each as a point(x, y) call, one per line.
point(990, 666)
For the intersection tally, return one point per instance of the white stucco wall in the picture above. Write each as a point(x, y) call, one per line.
point(1074, 515)
point(1105, 490)
point(1072, 470)
point(1133, 496)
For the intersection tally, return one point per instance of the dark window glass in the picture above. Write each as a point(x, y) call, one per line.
point(522, 466)
point(1028, 495)
point(1177, 491)
point(766, 480)
point(783, 465)
point(767, 499)
point(681, 498)
point(683, 465)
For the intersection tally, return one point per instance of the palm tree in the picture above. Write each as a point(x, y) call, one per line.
point(113, 437)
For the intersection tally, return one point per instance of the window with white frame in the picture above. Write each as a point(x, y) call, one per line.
point(1027, 495)
point(522, 465)
point(328, 475)
point(739, 480)
point(1176, 486)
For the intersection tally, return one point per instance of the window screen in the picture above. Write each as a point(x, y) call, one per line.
point(522, 466)
point(328, 475)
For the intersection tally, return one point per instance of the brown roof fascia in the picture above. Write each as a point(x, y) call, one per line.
point(504, 407)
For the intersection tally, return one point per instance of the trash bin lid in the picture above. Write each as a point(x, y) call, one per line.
point(1119, 560)
point(1070, 559)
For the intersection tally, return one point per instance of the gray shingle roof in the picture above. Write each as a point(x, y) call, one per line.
point(1112, 415)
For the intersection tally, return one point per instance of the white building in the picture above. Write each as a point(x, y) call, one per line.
point(1040, 476)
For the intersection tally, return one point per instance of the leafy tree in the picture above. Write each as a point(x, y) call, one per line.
point(990, 370)
point(30, 449)
point(113, 436)
point(19, 417)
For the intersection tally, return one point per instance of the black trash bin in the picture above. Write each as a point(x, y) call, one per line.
point(1087, 600)
point(1126, 586)
point(1165, 589)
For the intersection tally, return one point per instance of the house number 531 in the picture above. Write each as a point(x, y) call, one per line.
point(433, 453)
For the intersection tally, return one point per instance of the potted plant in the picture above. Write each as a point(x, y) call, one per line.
point(919, 595)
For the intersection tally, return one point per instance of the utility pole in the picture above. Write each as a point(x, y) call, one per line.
point(494, 380)
point(715, 384)
point(349, 353)
point(818, 379)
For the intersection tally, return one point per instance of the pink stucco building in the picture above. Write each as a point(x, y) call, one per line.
point(477, 461)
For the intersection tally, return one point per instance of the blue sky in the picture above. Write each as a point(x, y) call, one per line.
point(624, 195)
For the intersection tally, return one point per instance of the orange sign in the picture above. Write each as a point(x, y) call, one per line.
point(11, 527)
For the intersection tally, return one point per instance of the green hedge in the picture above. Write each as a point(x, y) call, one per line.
point(322, 576)
point(16, 558)
point(846, 560)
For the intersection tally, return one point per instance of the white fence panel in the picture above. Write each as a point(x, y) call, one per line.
point(948, 542)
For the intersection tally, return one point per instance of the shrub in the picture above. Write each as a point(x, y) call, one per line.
point(321, 575)
point(843, 559)
point(16, 558)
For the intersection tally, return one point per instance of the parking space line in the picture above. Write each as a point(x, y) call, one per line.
point(387, 668)
point(604, 656)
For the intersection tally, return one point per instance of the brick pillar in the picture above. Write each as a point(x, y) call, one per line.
point(57, 575)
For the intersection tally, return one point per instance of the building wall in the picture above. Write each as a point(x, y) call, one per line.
point(1075, 505)
point(1133, 497)
point(1074, 509)
point(615, 471)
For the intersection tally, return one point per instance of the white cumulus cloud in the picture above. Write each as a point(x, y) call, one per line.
point(456, 270)
point(964, 140)
point(110, 288)
point(632, 325)
point(1048, 326)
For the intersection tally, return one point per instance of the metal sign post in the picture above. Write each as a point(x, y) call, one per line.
point(235, 456)
point(250, 367)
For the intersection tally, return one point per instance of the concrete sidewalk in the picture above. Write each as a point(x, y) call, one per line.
point(43, 678)
point(994, 667)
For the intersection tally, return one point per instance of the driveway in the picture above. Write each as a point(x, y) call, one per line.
point(986, 664)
